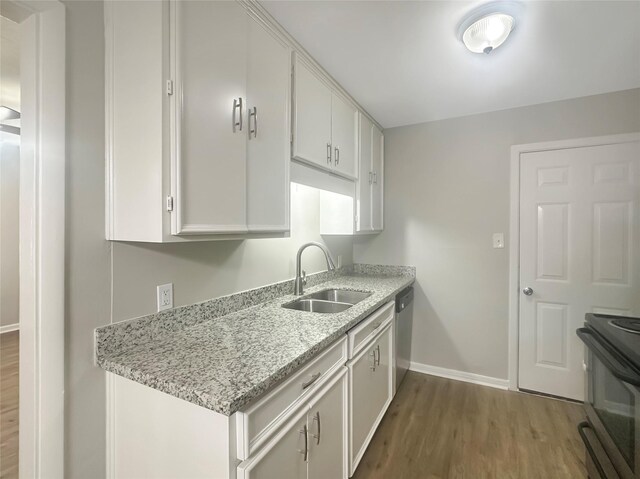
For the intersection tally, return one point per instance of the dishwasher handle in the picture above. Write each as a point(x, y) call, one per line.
point(404, 299)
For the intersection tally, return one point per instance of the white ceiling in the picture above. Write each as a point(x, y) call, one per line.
point(402, 62)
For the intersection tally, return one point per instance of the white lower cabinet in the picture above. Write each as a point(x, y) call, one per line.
point(312, 444)
point(371, 391)
point(314, 425)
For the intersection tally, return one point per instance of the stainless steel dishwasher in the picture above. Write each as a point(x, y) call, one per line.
point(403, 327)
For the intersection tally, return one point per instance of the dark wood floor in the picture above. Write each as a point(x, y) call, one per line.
point(439, 428)
point(9, 354)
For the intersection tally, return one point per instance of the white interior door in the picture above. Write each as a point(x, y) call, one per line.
point(579, 253)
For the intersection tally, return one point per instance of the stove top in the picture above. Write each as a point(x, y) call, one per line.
point(622, 332)
point(631, 325)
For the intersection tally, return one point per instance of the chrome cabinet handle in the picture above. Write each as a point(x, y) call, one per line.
point(375, 177)
point(253, 113)
point(527, 291)
point(337, 155)
point(305, 453)
point(313, 379)
point(237, 105)
point(378, 349)
point(316, 418)
point(329, 153)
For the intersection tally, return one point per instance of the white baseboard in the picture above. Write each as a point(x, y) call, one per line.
point(460, 375)
point(9, 327)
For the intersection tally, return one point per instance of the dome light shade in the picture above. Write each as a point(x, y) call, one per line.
point(486, 28)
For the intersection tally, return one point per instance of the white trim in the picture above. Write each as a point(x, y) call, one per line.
point(42, 238)
point(459, 375)
point(514, 228)
point(7, 328)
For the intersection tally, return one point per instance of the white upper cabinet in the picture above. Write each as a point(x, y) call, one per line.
point(344, 131)
point(268, 129)
point(312, 117)
point(325, 124)
point(340, 215)
point(198, 121)
point(204, 111)
point(377, 189)
point(211, 48)
point(365, 177)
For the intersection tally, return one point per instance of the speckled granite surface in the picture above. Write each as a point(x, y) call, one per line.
point(224, 361)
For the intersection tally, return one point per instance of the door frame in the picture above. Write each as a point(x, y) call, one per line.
point(514, 230)
point(42, 234)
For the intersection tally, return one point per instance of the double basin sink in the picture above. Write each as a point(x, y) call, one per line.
point(328, 301)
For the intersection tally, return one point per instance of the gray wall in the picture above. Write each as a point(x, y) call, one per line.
point(205, 270)
point(110, 282)
point(9, 193)
point(446, 192)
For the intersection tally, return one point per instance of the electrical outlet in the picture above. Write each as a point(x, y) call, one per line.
point(339, 261)
point(165, 296)
point(498, 240)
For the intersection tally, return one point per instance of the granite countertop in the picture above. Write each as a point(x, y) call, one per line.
point(225, 362)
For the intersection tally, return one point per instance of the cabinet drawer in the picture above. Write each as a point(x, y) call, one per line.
point(370, 393)
point(367, 329)
point(257, 423)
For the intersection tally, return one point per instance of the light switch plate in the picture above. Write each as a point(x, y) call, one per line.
point(165, 296)
point(498, 240)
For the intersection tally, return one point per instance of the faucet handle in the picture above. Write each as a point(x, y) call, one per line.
point(304, 277)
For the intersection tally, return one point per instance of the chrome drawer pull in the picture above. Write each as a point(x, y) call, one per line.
point(305, 453)
point(313, 379)
point(253, 131)
point(316, 417)
point(237, 105)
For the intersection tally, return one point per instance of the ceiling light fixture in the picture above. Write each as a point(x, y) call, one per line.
point(487, 27)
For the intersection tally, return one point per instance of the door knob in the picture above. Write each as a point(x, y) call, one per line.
point(527, 291)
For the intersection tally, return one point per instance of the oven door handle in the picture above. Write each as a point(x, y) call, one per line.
point(606, 471)
point(617, 367)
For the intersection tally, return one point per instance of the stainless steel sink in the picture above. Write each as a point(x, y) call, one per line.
point(328, 301)
point(317, 306)
point(340, 295)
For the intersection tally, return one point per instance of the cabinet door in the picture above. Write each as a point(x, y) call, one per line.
point(365, 177)
point(312, 118)
point(327, 422)
point(284, 456)
point(377, 190)
point(371, 393)
point(268, 130)
point(344, 131)
point(210, 50)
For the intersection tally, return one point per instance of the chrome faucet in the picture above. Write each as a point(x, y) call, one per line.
point(301, 276)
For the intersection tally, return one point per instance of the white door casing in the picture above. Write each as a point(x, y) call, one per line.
point(579, 230)
point(42, 235)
